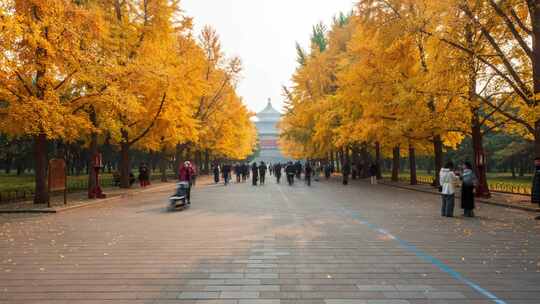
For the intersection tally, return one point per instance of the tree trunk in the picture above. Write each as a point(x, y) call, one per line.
point(535, 22)
point(125, 167)
point(395, 164)
point(356, 162)
point(177, 158)
point(482, 190)
point(378, 159)
point(513, 166)
point(93, 152)
point(8, 163)
point(41, 195)
point(438, 151)
point(365, 158)
point(412, 164)
point(521, 168)
point(338, 161)
point(479, 157)
point(198, 160)
point(163, 164)
point(206, 162)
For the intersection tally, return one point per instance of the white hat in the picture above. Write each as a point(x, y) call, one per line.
point(187, 163)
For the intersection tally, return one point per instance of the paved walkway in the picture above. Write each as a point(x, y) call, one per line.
point(274, 244)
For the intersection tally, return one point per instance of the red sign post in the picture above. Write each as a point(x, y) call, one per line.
point(97, 164)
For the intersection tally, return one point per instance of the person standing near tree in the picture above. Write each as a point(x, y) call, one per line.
point(469, 182)
point(346, 171)
point(448, 181)
point(373, 174)
point(143, 175)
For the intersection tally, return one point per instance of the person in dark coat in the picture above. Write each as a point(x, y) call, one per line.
point(468, 182)
point(277, 172)
point(290, 170)
point(327, 171)
point(373, 174)
point(535, 194)
point(144, 175)
point(262, 172)
point(238, 172)
point(355, 172)
point(346, 171)
point(254, 174)
point(226, 173)
point(298, 167)
point(308, 172)
point(215, 169)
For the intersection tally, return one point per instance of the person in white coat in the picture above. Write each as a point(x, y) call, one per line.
point(448, 180)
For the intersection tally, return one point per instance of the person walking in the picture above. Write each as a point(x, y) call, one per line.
point(254, 174)
point(215, 170)
point(468, 183)
point(308, 171)
point(277, 172)
point(245, 172)
point(238, 172)
point(327, 171)
point(373, 174)
point(346, 170)
point(262, 173)
point(226, 173)
point(448, 181)
point(290, 171)
point(185, 174)
point(298, 167)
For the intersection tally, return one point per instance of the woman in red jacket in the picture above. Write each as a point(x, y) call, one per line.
point(186, 174)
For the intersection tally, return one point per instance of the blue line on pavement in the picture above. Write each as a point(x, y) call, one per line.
point(433, 260)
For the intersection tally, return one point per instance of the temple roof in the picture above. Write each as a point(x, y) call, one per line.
point(269, 111)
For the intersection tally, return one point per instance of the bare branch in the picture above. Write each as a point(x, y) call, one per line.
point(152, 123)
point(21, 79)
point(508, 115)
point(68, 77)
point(512, 28)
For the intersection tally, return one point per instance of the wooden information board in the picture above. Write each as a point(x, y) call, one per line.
point(57, 177)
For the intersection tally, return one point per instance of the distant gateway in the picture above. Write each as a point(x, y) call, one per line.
point(267, 121)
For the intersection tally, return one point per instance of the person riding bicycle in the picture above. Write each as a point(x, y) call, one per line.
point(186, 174)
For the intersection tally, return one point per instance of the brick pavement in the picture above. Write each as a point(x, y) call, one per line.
point(328, 244)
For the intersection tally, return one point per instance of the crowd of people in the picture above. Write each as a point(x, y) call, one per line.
point(311, 171)
point(294, 171)
point(451, 178)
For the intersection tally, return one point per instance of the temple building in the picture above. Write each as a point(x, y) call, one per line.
point(267, 121)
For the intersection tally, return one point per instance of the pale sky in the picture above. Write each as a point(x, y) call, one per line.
point(263, 33)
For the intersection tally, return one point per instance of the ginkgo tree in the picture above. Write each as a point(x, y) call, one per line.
point(46, 59)
point(127, 72)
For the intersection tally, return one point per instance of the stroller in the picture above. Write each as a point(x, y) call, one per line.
point(179, 199)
